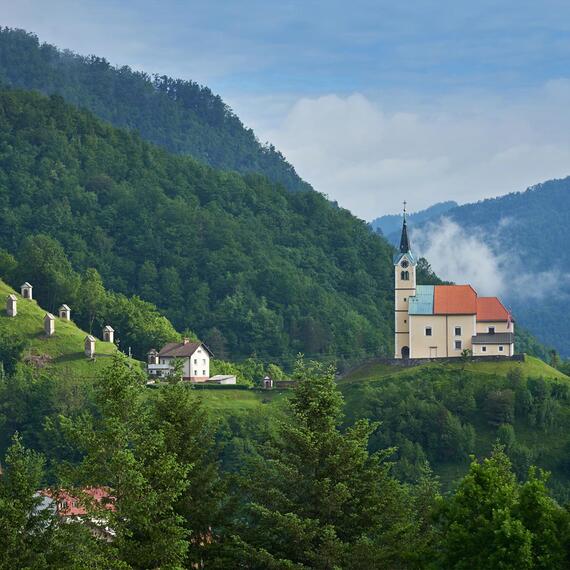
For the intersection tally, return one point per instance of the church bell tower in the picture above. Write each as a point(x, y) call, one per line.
point(404, 287)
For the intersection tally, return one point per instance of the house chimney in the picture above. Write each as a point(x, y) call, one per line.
point(186, 340)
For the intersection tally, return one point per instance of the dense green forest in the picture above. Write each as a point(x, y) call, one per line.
point(245, 264)
point(261, 259)
point(302, 487)
point(527, 231)
point(248, 267)
point(434, 467)
point(444, 414)
point(181, 116)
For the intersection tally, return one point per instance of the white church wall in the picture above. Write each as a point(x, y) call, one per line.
point(500, 327)
point(422, 345)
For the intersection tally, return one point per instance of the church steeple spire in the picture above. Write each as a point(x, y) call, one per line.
point(404, 240)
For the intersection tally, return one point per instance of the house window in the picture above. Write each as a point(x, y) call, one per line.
point(203, 373)
point(428, 331)
point(195, 373)
point(405, 299)
point(458, 345)
point(501, 349)
point(405, 321)
point(405, 275)
point(491, 330)
point(203, 361)
point(195, 361)
point(457, 331)
point(483, 349)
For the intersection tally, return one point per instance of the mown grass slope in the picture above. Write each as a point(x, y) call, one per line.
point(63, 352)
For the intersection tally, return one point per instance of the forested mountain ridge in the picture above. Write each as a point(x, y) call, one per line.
point(181, 116)
point(247, 265)
point(528, 231)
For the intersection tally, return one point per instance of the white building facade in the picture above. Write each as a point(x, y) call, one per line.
point(195, 357)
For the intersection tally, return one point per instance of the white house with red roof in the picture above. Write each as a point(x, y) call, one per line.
point(442, 321)
point(195, 357)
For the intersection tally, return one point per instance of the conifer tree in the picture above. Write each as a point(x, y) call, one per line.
point(125, 451)
point(494, 522)
point(24, 529)
point(317, 498)
point(179, 414)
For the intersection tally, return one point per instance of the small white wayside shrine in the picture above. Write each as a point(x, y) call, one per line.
point(108, 334)
point(26, 290)
point(89, 346)
point(12, 305)
point(49, 324)
point(65, 313)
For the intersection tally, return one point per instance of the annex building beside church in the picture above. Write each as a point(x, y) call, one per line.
point(442, 321)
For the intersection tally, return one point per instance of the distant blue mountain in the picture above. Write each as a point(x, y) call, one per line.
point(391, 225)
point(533, 228)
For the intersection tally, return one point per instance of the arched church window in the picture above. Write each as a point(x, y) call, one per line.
point(405, 275)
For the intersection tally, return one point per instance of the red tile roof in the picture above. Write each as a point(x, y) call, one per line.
point(454, 300)
point(491, 309)
point(68, 505)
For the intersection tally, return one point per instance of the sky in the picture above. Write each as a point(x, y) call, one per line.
point(373, 102)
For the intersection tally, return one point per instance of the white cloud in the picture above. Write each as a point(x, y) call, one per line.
point(371, 154)
point(460, 257)
point(466, 257)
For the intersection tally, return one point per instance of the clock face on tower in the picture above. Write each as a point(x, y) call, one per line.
point(404, 264)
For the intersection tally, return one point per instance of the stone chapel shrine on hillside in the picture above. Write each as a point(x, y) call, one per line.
point(442, 321)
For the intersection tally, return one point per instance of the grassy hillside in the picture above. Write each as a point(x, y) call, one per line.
point(181, 116)
point(442, 413)
point(64, 352)
point(436, 412)
point(532, 367)
point(445, 412)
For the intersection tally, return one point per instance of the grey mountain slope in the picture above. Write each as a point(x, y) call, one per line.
point(390, 224)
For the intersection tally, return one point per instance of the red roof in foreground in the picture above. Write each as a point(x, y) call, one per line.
point(454, 300)
point(491, 309)
point(69, 505)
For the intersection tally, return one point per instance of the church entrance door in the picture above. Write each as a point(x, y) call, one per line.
point(405, 352)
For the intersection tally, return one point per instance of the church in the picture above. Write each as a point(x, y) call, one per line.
point(443, 321)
